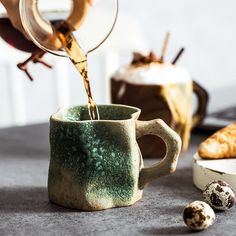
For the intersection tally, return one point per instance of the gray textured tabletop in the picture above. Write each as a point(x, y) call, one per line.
point(25, 209)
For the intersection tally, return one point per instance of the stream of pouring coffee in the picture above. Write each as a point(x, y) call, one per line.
point(79, 59)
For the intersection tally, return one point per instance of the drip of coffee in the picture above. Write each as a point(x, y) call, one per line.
point(79, 59)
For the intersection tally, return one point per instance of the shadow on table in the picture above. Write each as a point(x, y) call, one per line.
point(180, 184)
point(27, 200)
point(175, 230)
point(29, 142)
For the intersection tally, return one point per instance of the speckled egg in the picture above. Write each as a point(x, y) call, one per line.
point(198, 215)
point(219, 195)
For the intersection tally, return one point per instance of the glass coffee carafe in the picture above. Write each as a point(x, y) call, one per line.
point(38, 22)
point(83, 20)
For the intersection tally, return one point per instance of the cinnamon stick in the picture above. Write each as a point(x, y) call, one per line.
point(178, 56)
point(164, 47)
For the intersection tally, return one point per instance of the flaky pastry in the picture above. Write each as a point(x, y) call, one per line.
point(221, 144)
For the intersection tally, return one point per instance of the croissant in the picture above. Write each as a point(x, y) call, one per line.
point(221, 144)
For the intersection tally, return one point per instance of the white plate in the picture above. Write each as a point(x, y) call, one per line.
point(206, 171)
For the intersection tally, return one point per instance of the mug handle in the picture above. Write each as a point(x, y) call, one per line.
point(173, 143)
point(202, 97)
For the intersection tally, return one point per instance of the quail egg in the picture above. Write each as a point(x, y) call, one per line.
point(198, 215)
point(219, 195)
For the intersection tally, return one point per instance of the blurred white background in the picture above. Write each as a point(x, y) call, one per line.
point(205, 28)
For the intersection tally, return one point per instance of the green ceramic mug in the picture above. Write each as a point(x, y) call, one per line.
point(97, 165)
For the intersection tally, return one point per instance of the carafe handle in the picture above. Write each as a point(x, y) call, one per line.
point(173, 146)
point(42, 29)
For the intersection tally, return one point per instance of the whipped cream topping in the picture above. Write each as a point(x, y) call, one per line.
point(153, 73)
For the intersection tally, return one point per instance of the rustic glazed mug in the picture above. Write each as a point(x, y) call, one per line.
point(97, 165)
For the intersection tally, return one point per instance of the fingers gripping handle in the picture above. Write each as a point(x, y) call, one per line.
point(173, 143)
